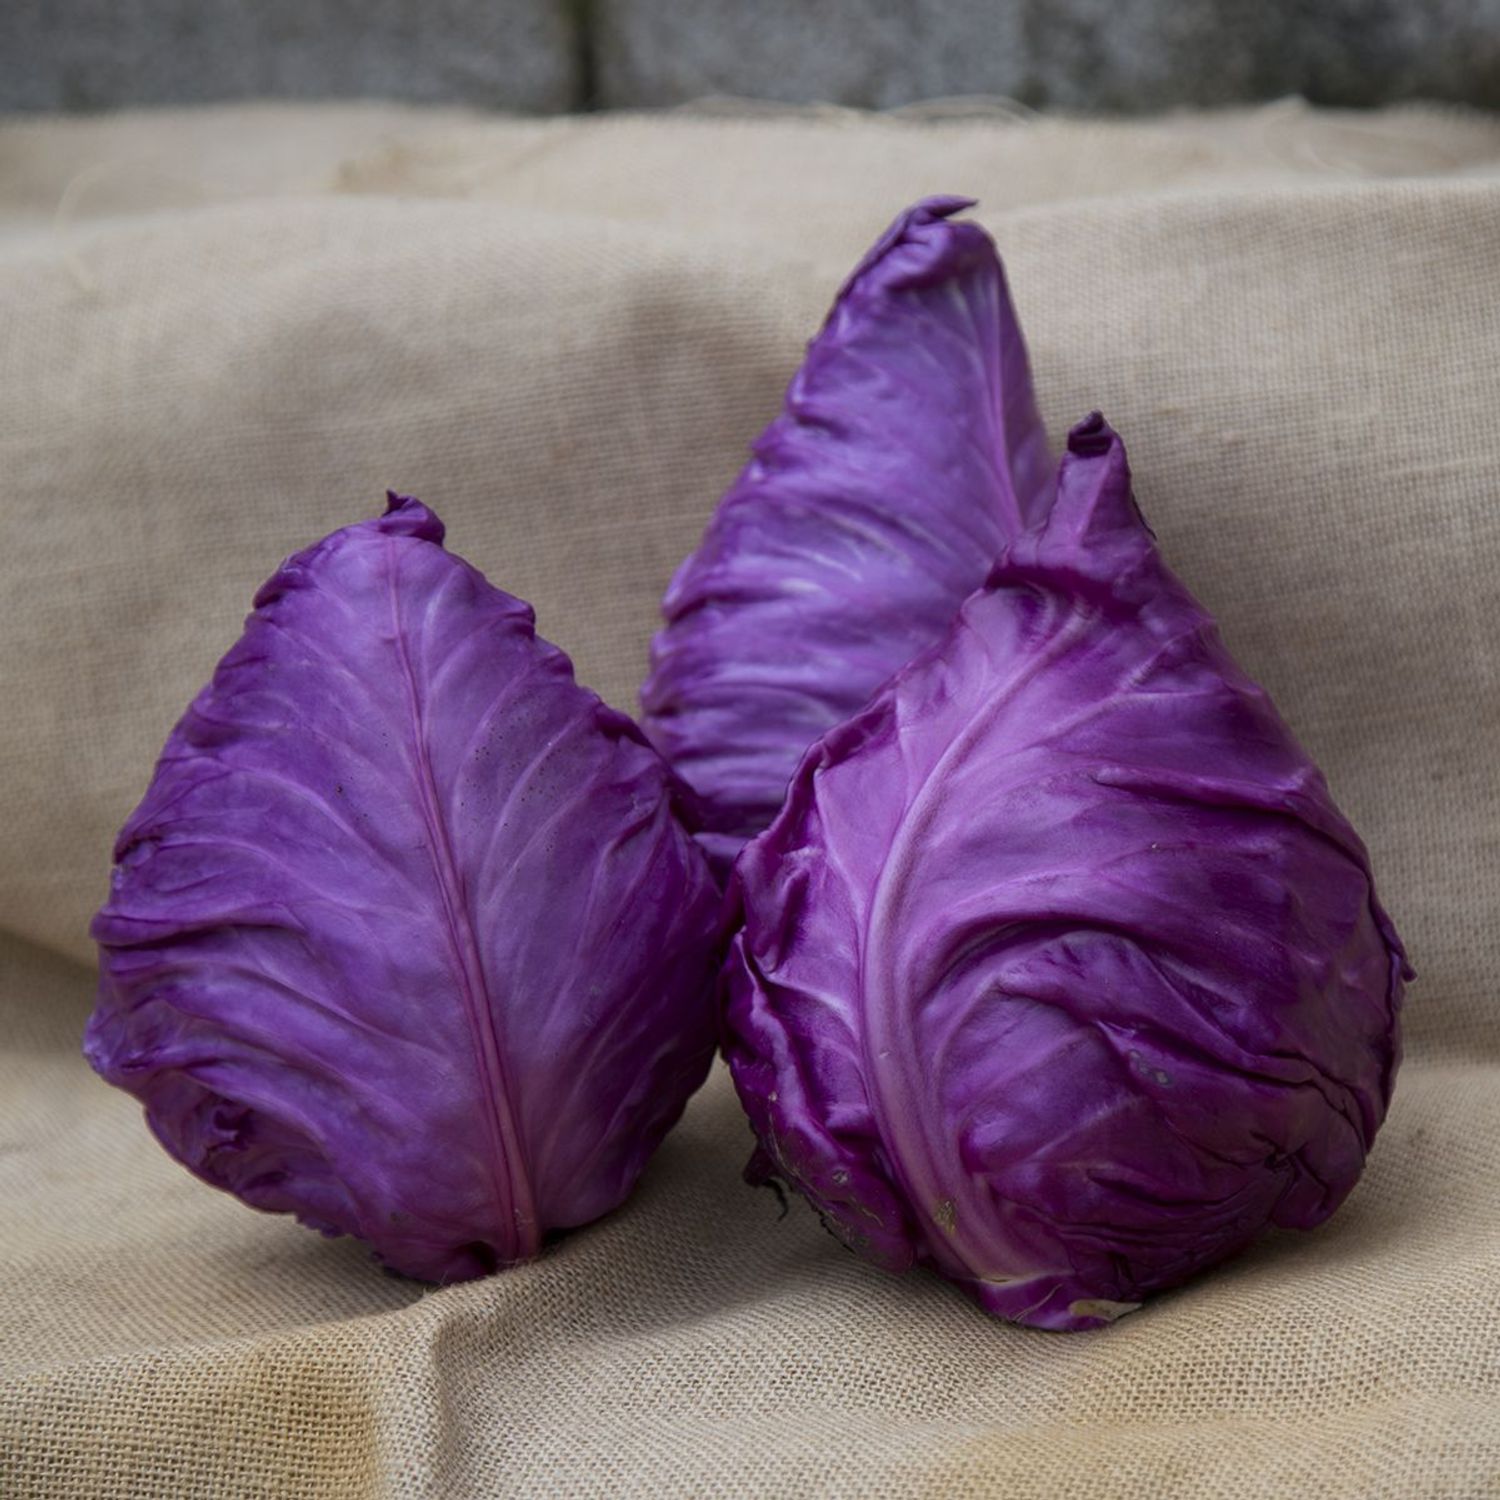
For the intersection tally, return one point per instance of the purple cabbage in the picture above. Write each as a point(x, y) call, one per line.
point(405, 938)
point(1060, 971)
point(909, 452)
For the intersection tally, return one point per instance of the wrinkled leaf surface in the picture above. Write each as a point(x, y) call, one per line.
point(405, 938)
point(1060, 971)
point(908, 453)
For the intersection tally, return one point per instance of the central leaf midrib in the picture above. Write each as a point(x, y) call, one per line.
point(891, 1063)
point(511, 1180)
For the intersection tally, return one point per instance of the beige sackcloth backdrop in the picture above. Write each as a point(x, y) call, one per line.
point(223, 334)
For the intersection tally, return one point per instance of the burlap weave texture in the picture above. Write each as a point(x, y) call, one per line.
point(224, 334)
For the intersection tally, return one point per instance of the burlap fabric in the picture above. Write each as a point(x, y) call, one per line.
point(223, 334)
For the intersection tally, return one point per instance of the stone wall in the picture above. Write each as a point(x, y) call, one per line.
point(550, 55)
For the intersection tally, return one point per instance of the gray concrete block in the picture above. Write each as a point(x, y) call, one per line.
point(1125, 55)
point(100, 54)
point(1368, 52)
point(1117, 55)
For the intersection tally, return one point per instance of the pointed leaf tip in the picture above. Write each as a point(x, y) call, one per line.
point(1093, 480)
point(942, 243)
point(1092, 436)
point(405, 515)
point(940, 206)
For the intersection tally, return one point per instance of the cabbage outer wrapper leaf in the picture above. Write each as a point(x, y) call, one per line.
point(405, 938)
point(1060, 971)
point(908, 454)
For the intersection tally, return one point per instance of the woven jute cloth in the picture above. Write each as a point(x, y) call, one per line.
point(224, 334)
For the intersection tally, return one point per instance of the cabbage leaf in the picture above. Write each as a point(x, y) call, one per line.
point(405, 937)
point(908, 453)
point(1060, 971)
